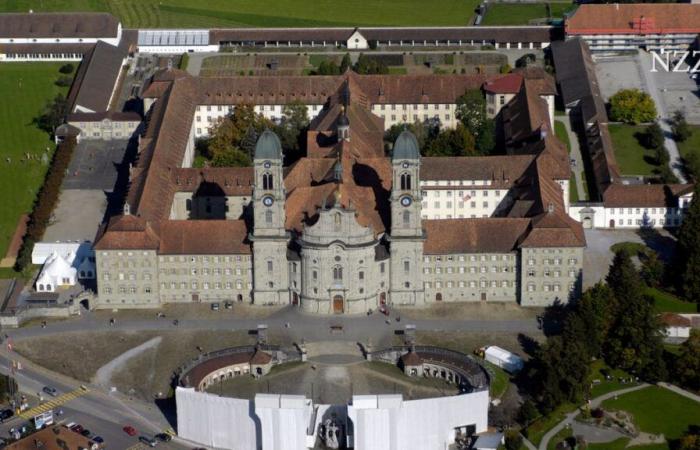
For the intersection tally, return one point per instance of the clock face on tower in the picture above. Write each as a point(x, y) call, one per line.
point(405, 165)
point(406, 201)
point(267, 164)
point(267, 201)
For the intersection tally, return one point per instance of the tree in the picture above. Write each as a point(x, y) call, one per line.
point(652, 270)
point(505, 68)
point(527, 413)
point(513, 440)
point(346, 63)
point(622, 277)
point(688, 250)
point(233, 137)
point(653, 137)
point(687, 365)
point(367, 66)
point(632, 106)
point(592, 318)
point(53, 114)
point(486, 138)
point(471, 110)
point(292, 130)
point(452, 142)
point(679, 126)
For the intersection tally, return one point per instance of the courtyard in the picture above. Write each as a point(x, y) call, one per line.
point(335, 383)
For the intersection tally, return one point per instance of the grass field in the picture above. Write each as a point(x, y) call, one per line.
point(25, 89)
point(523, 13)
point(657, 410)
point(632, 158)
point(562, 135)
point(262, 13)
point(667, 302)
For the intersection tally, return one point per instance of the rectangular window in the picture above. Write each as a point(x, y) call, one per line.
point(269, 266)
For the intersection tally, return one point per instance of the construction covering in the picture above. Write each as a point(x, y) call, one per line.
point(217, 422)
point(387, 422)
point(503, 358)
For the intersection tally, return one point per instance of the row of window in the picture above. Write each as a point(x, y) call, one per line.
point(205, 259)
point(229, 108)
point(456, 183)
point(460, 194)
point(556, 287)
point(131, 276)
point(404, 117)
point(471, 284)
point(206, 271)
point(462, 258)
point(44, 56)
point(650, 210)
point(471, 269)
point(552, 261)
point(449, 216)
point(639, 222)
point(448, 204)
point(551, 273)
point(437, 106)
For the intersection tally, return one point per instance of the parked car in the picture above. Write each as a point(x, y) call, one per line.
point(85, 432)
point(214, 306)
point(128, 429)
point(51, 391)
point(6, 414)
point(228, 305)
point(164, 437)
point(148, 441)
point(77, 428)
point(98, 439)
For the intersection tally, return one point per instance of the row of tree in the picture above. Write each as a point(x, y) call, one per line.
point(45, 202)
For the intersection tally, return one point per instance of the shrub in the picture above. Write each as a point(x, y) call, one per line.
point(679, 126)
point(67, 68)
point(597, 413)
point(63, 81)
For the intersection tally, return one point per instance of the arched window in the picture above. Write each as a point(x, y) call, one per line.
point(41, 287)
point(268, 217)
point(337, 273)
point(405, 181)
point(406, 218)
point(267, 181)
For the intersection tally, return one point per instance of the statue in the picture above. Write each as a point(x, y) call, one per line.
point(331, 433)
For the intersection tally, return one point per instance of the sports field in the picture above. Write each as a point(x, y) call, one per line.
point(25, 88)
point(263, 13)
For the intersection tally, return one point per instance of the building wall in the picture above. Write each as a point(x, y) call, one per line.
point(496, 102)
point(617, 42)
point(207, 116)
point(204, 278)
point(54, 56)
point(127, 278)
point(398, 113)
point(106, 129)
point(471, 277)
point(468, 199)
point(548, 274)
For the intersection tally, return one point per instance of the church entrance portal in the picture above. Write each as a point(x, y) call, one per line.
point(338, 304)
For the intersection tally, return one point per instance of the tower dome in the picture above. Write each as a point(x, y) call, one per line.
point(406, 146)
point(268, 146)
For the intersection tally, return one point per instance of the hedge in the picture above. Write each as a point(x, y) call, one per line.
point(45, 202)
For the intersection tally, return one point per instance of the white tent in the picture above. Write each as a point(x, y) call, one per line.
point(504, 359)
point(79, 255)
point(56, 272)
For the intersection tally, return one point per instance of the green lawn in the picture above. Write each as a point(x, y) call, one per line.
point(657, 410)
point(263, 13)
point(633, 248)
point(539, 427)
point(573, 189)
point(621, 444)
point(562, 135)
point(522, 13)
point(667, 302)
point(691, 145)
point(632, 158)
point(500, 380)
point(606, 386)
point(25, 88)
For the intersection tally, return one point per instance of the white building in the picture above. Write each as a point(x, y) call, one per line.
point(55, 36)
point(510, 362)
point(57, 272)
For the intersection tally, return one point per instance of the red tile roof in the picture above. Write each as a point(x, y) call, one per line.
point(208, 237)
point(483, 235)
point(634, 18)
point(644, 195)
point(509, 84)
point(674, 320)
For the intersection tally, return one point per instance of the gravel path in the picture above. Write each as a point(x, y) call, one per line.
point(103, 377)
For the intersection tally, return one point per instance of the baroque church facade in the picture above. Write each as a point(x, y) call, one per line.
point(343, 229)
